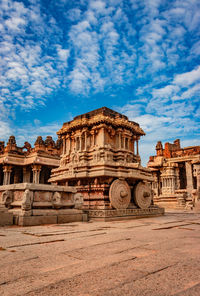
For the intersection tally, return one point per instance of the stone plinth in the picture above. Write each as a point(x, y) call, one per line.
point(35, 204)
point(124, 214)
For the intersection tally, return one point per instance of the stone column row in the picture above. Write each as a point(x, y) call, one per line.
point(7, 170)
point(7, 173)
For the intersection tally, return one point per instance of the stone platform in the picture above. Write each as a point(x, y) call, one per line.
point(36, 204)
point(124, 214)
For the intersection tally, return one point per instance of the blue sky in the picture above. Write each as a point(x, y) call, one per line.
point(62, 58)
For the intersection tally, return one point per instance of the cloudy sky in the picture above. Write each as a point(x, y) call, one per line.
point(61, 58)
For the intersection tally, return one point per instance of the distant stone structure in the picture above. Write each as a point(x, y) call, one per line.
point(100, 157)
point(26, 164)
point(26, 197)
point(176, 173)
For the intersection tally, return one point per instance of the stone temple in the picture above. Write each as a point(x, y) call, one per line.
point(101, 159)
point(93, 171)
point(176, 173)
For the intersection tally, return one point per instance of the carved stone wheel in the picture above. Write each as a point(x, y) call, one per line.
point(119, 194)
point(142, 195)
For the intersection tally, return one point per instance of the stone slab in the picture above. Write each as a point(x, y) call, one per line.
point(6, 218)
point(70, 218)
point(36, 220)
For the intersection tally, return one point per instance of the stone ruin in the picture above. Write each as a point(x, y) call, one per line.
point(176, 174)
point(100, 157)
point(95, 172)
point(26, 196)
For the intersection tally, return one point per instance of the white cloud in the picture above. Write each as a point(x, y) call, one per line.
point(63, 54)
point(188, 77)
point(5, 130)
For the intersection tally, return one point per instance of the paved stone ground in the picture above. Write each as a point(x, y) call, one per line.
point(154, 256)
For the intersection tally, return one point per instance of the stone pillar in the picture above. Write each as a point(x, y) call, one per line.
point(128, 143)
point(188, 167)
point(137, 147)
point(7, 169)
point(85, 141)
point(93, 137)
point(26, 175)
point(133, 145)
point(198, 182)
point(81, 143)
point(67, 144)
point(120, 140)
point(64, 145)
point(36, 168)
point(198, 178)
point(101, 137)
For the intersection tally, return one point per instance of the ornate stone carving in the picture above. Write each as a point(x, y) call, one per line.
point(78, 200)
point(11, 140)
point(120, 194)
point(27, 200)
point(7, 198)
point(49, 142)
point(27, 146)
point(142, 195)
point(56, 200)
point(39, 141)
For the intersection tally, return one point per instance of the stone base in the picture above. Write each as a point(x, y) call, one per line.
point(6, 218)
point(110, 215)
point(71, 215)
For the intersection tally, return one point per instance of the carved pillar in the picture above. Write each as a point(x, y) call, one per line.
point(137, 147)
point(26, 175)
point(67, 144)
point(101, 137)
point(36, 168)
point(93, 137)
point(198, 178)
point(128, 143)
point(64, 144)
point(198, 182)
point(134, 145)
point(120, 140)
point(189, 177)
point(81, 143)
point(7, 169)
point(85, 140)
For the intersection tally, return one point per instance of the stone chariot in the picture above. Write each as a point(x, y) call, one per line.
point(101, 159)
